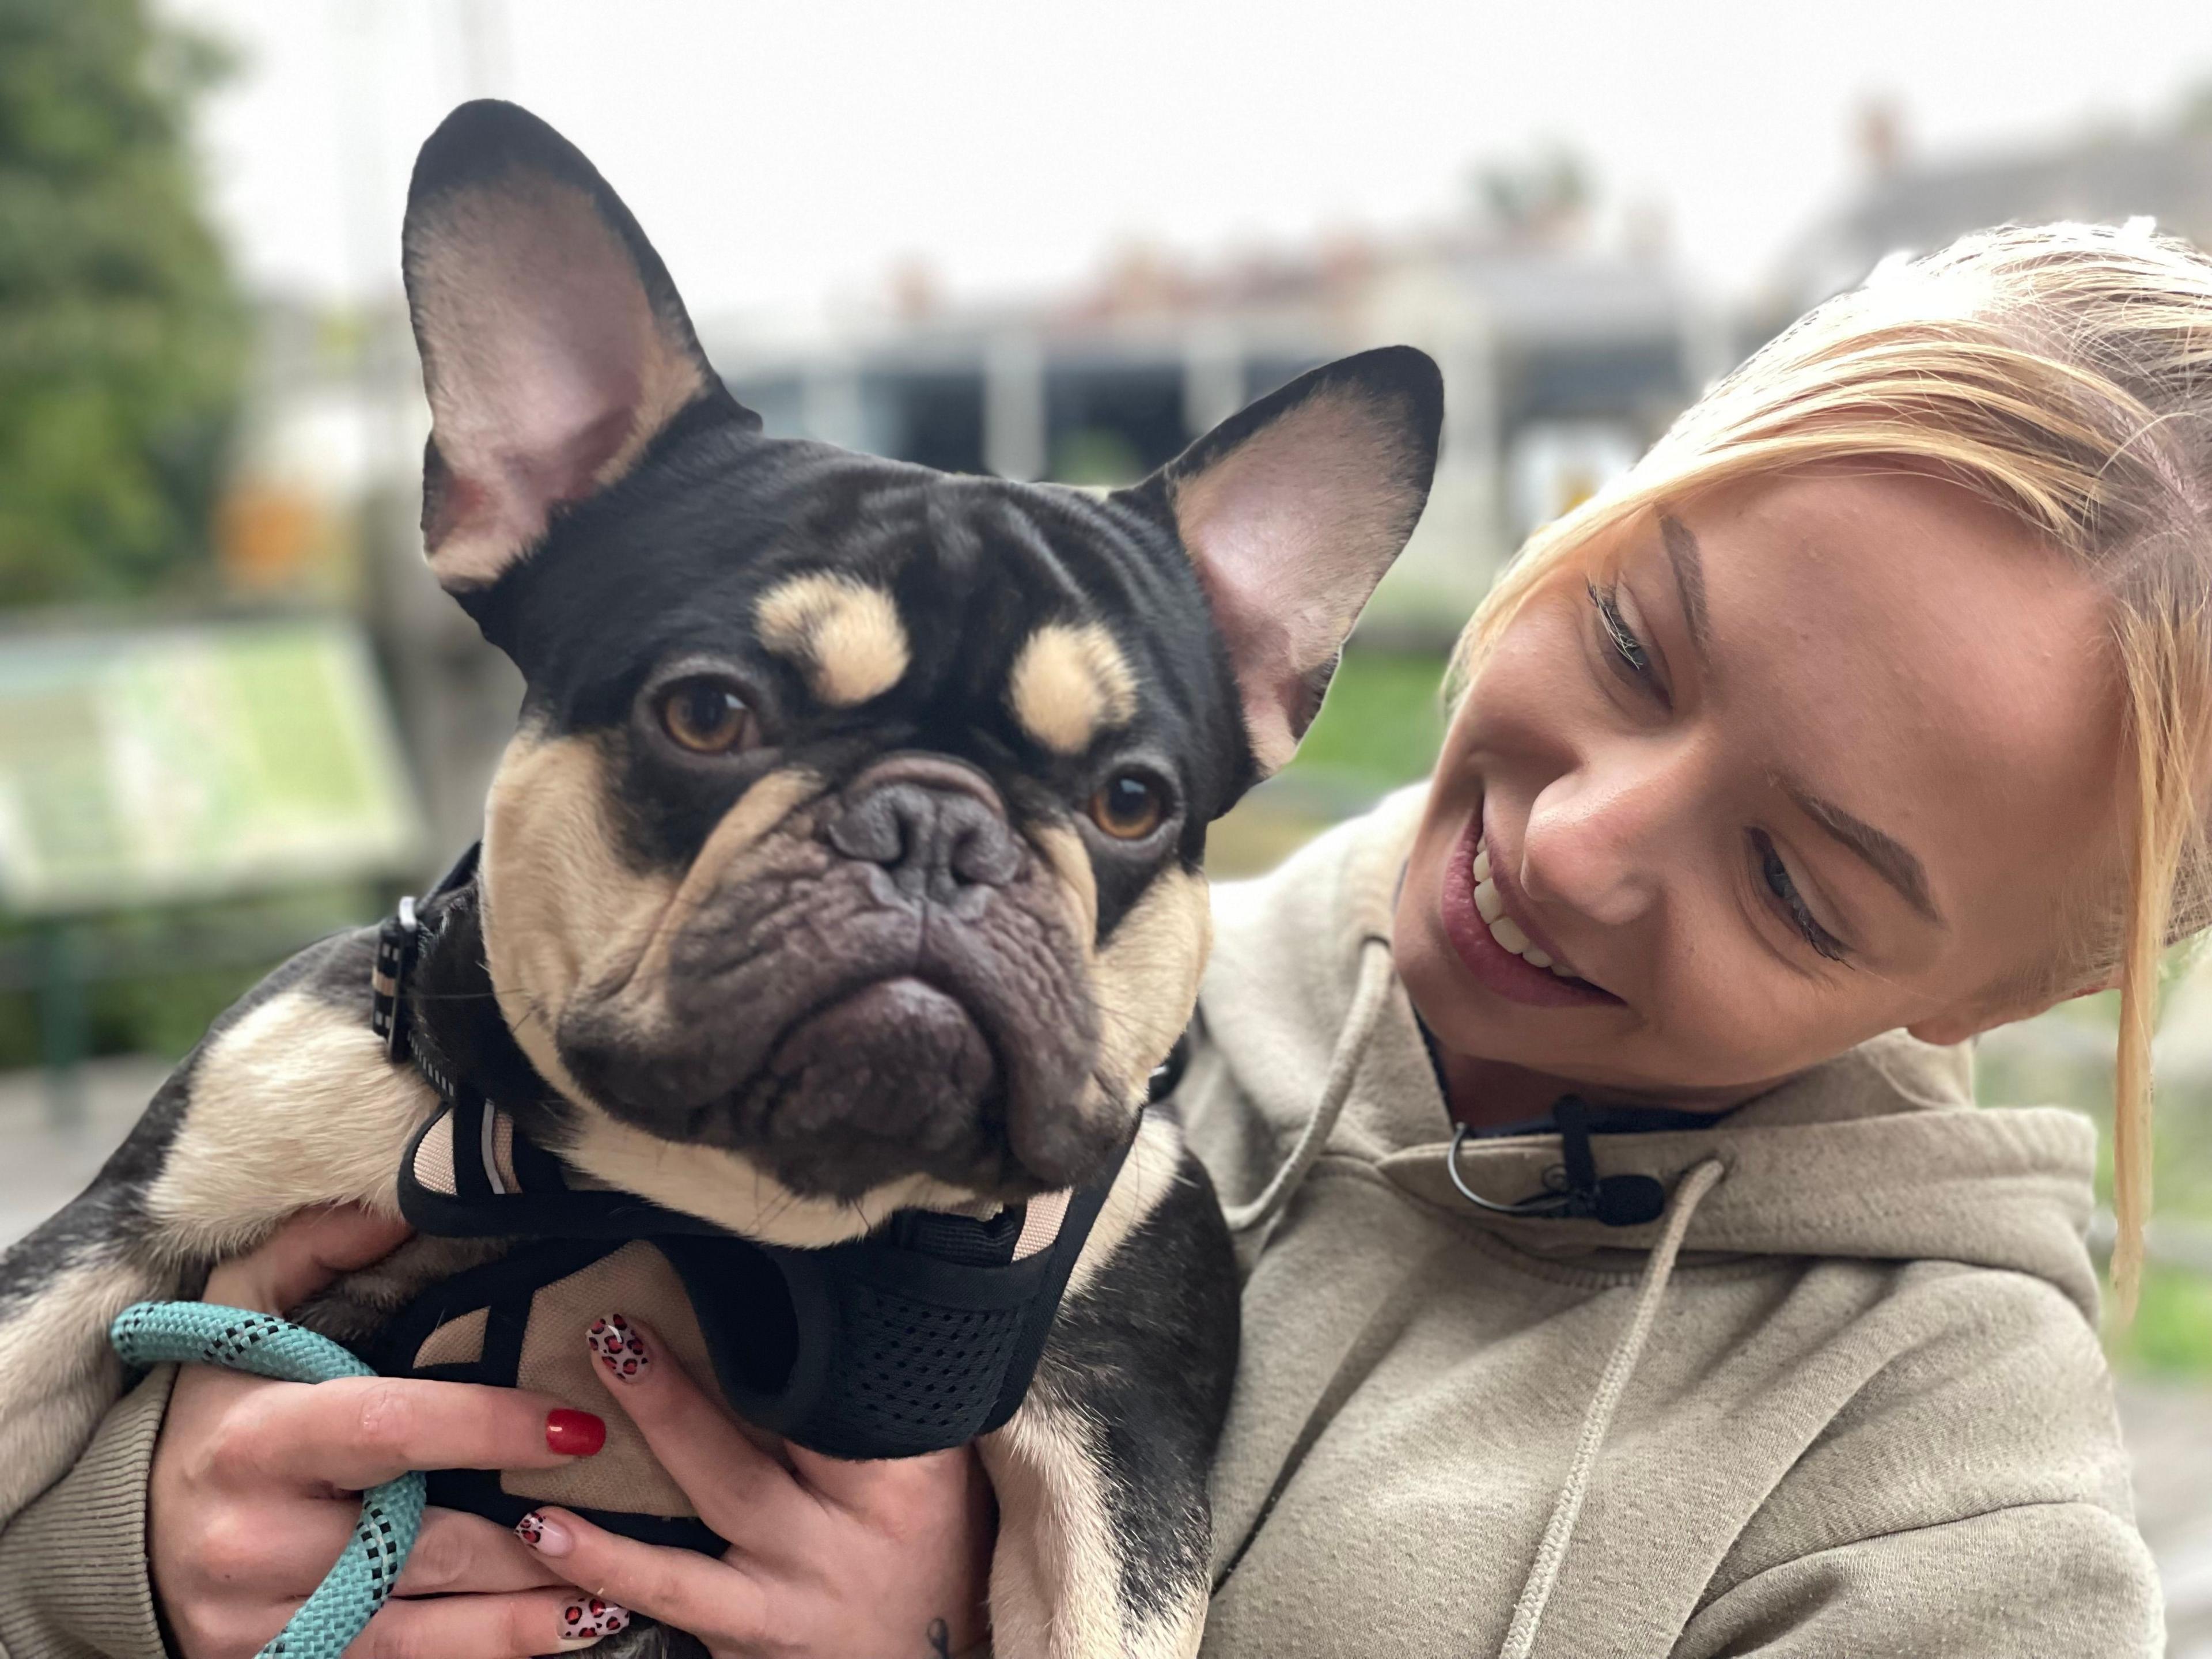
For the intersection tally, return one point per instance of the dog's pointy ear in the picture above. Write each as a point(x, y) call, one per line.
point(554, 346)
point(1292, 509)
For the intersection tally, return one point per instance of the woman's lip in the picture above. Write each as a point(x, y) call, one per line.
point(1497, 967)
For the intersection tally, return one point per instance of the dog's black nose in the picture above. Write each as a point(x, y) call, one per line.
point(935, 827)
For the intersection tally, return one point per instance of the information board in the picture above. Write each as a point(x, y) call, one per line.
point(151, 766)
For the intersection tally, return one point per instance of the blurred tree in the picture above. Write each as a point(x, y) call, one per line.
point(122, 340)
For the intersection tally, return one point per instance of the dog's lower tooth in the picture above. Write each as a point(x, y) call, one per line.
point(1482, 864)
point(1507, 932)
point(1487, 902)
point(1535, 957)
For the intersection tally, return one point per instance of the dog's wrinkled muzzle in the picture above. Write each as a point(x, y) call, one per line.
point(890, 986)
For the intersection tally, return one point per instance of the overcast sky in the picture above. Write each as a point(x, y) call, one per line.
point(784, 153)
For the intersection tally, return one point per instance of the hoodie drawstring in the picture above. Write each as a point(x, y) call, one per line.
point(1367, 1000)
point(1359, 1027)
point(1658, 1268)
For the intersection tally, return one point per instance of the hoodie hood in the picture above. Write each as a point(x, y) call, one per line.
point(1879, 1153)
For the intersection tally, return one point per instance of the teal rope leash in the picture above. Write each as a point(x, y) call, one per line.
point(202, 1334)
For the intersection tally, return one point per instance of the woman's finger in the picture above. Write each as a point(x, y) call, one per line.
point(489, 1626)
point(304, 1255)
point(456, 1554)
point(359, 1432)
point(717, 1602)
point(737, 1489)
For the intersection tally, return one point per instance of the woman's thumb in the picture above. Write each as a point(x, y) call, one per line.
point(304, 1255)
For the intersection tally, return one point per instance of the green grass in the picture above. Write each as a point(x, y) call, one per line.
point(1383, 723)
point(1379, 728)
point(2172, 1336)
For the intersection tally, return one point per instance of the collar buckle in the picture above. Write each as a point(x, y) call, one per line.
point(397, 941)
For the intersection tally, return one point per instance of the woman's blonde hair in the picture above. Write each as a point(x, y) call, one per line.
point(2063, 373)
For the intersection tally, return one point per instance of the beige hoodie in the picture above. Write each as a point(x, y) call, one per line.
point(1862, 1411)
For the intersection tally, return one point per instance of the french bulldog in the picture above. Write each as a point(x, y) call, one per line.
point(845, 865)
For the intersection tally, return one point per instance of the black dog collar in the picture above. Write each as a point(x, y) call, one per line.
point(918, 1337)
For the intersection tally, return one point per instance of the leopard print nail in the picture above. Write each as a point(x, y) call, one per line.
point(588, 1620)
point(619, 1347)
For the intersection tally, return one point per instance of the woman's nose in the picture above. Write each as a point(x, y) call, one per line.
point(1602, 838)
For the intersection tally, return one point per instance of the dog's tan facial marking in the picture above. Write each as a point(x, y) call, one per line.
point(1068, 684)
point(1147, 974)
point(720, 861)
point(561, 907)
point(564, 915)
point(1064, 850)
point(844, 635)
point(1144, 977)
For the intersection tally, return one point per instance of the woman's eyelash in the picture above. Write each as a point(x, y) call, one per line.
point(1778, 880)
point(1625, 645)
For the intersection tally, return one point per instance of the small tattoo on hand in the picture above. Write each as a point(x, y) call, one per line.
point(940, 1639)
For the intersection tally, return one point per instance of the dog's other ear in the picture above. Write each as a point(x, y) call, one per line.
point(554, 346)
point(1292, 509)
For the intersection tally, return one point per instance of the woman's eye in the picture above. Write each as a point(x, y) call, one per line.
point(1774, 875)
point(707, 716)
point(1629, 652)
point(1129, 806)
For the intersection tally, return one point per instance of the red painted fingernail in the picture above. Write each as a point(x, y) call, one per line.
point(591, 1618)
point(544, 1534)
point(578, 1434)
point(615, 1340)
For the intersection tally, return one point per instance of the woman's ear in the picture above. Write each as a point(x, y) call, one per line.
point(553, 345)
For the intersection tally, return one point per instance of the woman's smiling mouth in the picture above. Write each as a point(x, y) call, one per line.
point(1489, 928)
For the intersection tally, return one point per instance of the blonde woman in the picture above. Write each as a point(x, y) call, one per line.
point(1629, 1272)
point(1871, 711)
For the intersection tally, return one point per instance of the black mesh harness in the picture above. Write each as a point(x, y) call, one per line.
point(918, 1337)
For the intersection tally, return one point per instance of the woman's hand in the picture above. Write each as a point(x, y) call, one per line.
point(255, 1484)
point(830, 1557)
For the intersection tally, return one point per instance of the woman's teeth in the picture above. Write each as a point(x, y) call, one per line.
point(1502, 929)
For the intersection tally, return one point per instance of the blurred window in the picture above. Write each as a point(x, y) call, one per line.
point(1111, 424)
point(932, 418)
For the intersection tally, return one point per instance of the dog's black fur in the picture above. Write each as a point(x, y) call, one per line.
point(916, 934)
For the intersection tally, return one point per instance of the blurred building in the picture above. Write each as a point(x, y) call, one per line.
point(1563, 358)
point(1914, 205)
point(1561, 362)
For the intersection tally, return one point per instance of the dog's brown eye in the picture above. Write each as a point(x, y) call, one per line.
point(706, 716)
point(1128, 806)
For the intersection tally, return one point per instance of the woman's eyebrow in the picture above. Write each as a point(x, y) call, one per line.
point(1683, 554)
point(1890, 858)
